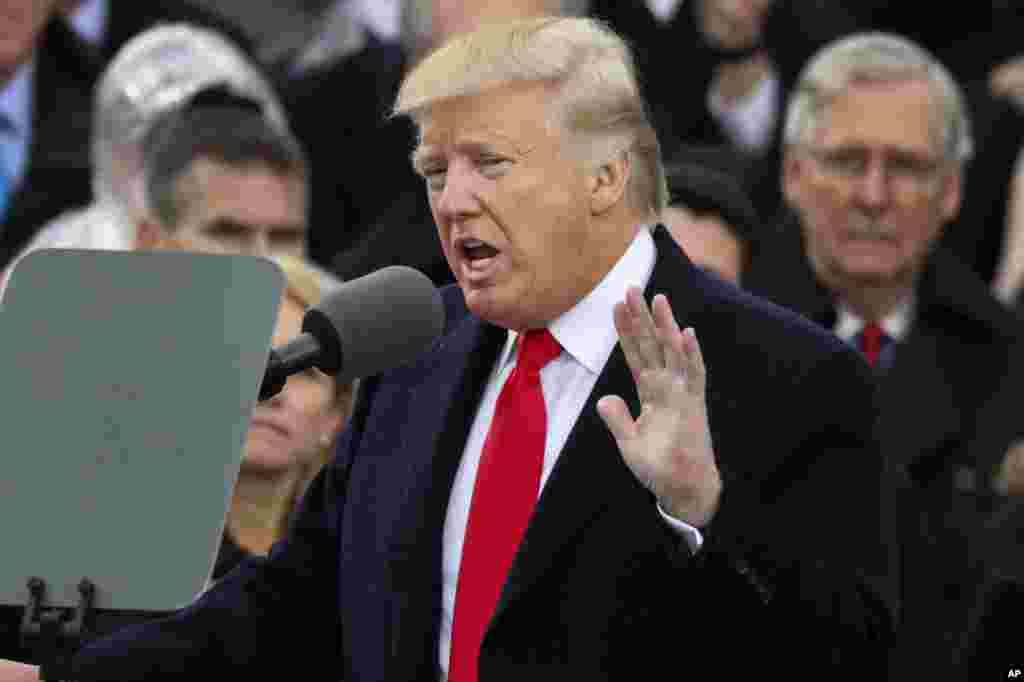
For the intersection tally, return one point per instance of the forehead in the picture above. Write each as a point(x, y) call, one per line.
point(899, 115)
point(515, 117)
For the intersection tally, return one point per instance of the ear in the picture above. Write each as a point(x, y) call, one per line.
point(148, 235)
point(333, 421)
point(607, 183)
point(794, 168)
point(952, 190)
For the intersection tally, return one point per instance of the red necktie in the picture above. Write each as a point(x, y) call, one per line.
point(871, 342)
point(507, 482)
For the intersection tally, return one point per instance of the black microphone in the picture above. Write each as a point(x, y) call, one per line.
point(363, 327)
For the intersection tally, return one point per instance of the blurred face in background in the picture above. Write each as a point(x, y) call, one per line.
point(288, 431)
point(251, 210)
point(733, 24)
point(707, 240)
point(21, 22)
point(872, 186)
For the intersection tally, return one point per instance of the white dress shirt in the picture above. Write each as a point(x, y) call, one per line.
point(896, 324)
point(588, 337)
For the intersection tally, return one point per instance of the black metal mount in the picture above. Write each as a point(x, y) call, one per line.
point(56, 634)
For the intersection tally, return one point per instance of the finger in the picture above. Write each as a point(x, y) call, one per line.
point(645, 331)
point(670, 334)
point(616, 417)
point(696, 373)
point(624, 326)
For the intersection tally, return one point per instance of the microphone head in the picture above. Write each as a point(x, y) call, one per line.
point(376, 322)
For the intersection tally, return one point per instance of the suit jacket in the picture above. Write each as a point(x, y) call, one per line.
point(57, 174)
point(994, 648)
point(600, 587)
point(950, 406)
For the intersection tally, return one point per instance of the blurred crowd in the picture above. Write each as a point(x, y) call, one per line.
point(846, 159)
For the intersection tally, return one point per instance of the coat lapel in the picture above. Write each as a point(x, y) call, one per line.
point(447, 398)
point(918, 408)
point(590, 454)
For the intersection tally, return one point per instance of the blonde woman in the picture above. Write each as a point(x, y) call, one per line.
point(289, 438)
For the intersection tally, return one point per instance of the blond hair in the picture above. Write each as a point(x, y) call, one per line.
point(306, 284)
point(878, 58)
point(598, 102)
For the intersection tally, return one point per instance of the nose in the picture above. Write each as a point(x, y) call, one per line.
point(872, 188)
point(457, 200)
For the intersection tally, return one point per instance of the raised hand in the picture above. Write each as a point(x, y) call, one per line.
point(18, 672)
point(668, 446)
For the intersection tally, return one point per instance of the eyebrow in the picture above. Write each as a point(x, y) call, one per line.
point(239, 226)
point(291, 229)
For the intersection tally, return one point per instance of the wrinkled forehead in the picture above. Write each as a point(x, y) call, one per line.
point(901, 114)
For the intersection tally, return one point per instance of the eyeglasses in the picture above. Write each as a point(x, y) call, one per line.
point(905, 171)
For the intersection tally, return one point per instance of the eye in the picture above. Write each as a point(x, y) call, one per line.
point(912, 167)
point(435, 177)
point(492, 165)
point(286, 237)
point(844, 160)
point(227, 231)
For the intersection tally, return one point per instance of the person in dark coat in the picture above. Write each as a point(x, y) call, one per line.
point(872, 180)
point(46, 81)
point(566, 484)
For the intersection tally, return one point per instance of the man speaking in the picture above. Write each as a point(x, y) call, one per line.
point(567, 485)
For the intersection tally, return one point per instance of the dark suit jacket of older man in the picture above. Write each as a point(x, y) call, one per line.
point(600, 588)
point(950, 410)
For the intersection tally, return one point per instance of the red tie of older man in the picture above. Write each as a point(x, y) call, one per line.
point(871, 341)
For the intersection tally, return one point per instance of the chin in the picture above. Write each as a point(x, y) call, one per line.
point(266, 463)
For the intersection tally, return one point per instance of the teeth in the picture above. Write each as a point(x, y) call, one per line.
point(472, 243)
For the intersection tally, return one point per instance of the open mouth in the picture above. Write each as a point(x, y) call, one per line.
point(476, 251)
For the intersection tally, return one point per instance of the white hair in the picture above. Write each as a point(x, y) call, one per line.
point(878, 57)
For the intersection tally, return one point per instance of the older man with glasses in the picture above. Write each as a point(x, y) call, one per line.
point(876, 144)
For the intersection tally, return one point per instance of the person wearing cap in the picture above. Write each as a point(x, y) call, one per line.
point(152, 75)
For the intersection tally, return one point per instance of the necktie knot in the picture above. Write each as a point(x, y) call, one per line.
point(538, 348)
point(872, 339)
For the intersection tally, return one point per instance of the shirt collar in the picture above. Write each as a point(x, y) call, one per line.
point(16, 98)
point(895, 324)
point(89, 21)
point(587, 330)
